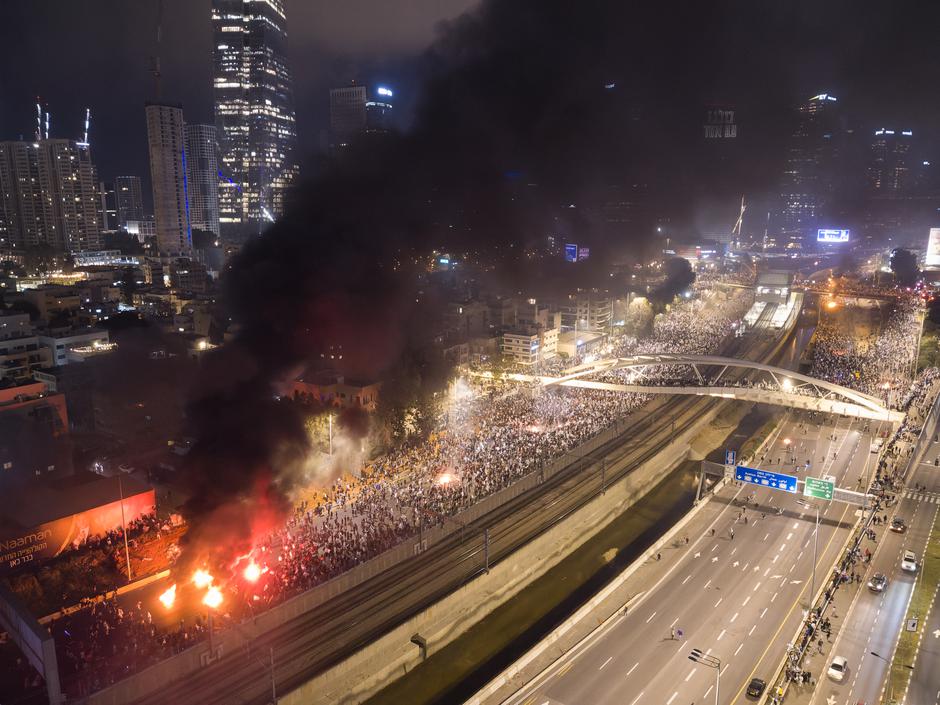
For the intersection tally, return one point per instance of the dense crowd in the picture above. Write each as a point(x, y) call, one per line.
point(875, 364)
point(485, 443)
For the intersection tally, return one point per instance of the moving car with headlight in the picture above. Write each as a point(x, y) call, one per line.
point(756, 687)
point(878, 582)
point(898, 525)
point(909, 562)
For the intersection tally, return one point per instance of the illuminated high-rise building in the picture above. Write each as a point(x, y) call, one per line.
point(49, 195)
point(202, 171)
point(812, 153)
point(348, 114)
point(129, 201)
point(889, 171)
point(254, 113)
point(168, 176)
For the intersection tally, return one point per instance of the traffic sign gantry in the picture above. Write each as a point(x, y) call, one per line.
point(765, 478)
point(820, 489)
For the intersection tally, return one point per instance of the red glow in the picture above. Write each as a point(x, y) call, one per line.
point(201, 578)
point(252, 572)
point(169, 596)
point(213, 597)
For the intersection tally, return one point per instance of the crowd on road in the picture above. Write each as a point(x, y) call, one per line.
point(877, 364)
point(484, 444)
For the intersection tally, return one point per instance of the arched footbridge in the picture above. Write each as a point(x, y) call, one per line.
point(761, 383)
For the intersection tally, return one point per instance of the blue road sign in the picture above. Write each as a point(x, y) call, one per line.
point(765, 478)
point(730, 456)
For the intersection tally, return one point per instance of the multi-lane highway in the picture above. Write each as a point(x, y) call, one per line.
point(874, 620)
point(738, 596)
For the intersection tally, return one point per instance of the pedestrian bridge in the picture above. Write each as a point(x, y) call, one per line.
point(764, 384)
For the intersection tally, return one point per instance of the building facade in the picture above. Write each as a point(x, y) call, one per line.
point(168, 175)
point(348, 114)
point(890, 171)
point(128, 200)
point(49, 195)
point(202, 165)
point(254, 112)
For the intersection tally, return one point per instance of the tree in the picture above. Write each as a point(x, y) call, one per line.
point(904, 267)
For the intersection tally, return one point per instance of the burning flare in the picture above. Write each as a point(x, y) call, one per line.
point(252, 572)
point(213, 597)
point(201, 578)
point(169, 596)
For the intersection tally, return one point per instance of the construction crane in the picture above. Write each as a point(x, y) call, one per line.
point(736, 230)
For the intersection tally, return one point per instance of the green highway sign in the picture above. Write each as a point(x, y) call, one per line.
point(820, 489)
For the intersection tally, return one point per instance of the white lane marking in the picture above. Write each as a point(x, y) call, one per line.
point(708, 691)
point(609, 659)
point(795, 524)
point(633, 668)
point(673, 622)
point(707, 584)
point(651, 618)
point(765, 537)
point(691, 673)
point(756, 586)
point(767, 572)
point(799, 556)
point(734, 618)
point(637, 698)
point(739, 648)
point(719, 601)
point(686, 580)
point(720, 635)
point(746, 600)
point(672, 697)
point(714, 548)
point(753, 627)
point(775, 558)
point(789, 536)
point(783, 547)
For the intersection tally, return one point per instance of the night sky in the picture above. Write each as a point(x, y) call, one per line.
point(761, 57)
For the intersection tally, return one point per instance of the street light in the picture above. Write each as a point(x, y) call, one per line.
point(699, 656)
point(812, 590)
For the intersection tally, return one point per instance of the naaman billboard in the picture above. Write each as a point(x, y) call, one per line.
point(832, 235)
point(933, 248)
point(48, 540)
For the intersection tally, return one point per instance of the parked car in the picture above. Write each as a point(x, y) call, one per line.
point(838, 669)
point(909, 562)
point(878, 582)
point(756, 687)
point(898, 525)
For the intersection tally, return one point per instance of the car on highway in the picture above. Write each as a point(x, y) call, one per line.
point(838, 668)
point(898, 525)
point(756, 687)
point(878, 582)
point(909, 562)
point(876, 444)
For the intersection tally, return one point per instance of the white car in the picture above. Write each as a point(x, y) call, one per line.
point(909, 562)
point(838, 668)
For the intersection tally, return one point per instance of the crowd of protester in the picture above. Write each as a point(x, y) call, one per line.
point(485, 443)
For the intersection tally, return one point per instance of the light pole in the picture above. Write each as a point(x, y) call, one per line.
point(812, 589)
point(710, 661)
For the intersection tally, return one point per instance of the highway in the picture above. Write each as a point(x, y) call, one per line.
point(738, 598)
point(874, 620)
point(312, 642)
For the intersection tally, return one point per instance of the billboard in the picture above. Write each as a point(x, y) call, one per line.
point(831, 235)
point(48, 540)
point(571, 252)
point(933, 248)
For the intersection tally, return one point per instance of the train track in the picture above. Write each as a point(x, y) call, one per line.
point(324, 636)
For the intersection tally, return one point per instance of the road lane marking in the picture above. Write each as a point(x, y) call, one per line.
point(672, 697)
point(753, 627)
point(609, 659)
point(765, 537)
point(739, 648)
point(633, 668)
point(775, 558)
point(734, 618)
point(637, 698)
point(746, 600)
point(650, 619)
point(673, 622)
point(721, 635)
point(707, 584)
point(799, 556)
point(691, 673)
point(756, 586)
point(719, 601)
point(789, 536)
point(783, 547)
point(686, 580)
point(708, 691)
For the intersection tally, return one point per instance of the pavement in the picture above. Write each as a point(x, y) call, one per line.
point(738, 594)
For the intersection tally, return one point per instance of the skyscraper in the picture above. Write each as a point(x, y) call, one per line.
point(254, 112)
point(202, 170)
point(889, 171)
point(129, 200)
point(812, 154)
point(168, 174)
point(348, 113)
point(49, 195)
point(107, 210)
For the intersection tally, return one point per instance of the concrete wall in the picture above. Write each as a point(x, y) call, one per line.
point(393, 655)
